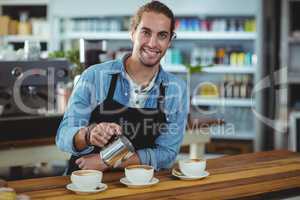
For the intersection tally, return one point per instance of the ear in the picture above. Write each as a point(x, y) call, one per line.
point(169, 45)
point(132, 34)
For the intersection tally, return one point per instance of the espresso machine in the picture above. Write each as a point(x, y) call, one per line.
point(26, 89)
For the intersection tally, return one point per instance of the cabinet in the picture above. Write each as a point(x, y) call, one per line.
point(289, 99)
point(23, 20)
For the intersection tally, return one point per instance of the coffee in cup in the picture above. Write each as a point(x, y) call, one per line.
point(192, 167)
point(86, 179)
point(139, 174)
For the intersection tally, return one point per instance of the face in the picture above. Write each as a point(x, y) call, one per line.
point(151, 38)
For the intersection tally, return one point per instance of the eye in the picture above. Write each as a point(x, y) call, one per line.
point(163, 36)
point(146, 33)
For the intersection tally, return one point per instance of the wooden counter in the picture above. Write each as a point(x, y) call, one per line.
point(261, 175)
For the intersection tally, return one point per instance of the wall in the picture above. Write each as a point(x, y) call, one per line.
point(68, 8)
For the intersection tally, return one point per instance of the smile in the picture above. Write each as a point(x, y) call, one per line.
point(151, 52)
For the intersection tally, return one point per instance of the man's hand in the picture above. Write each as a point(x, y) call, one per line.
point(92, 161)
point(102, 132)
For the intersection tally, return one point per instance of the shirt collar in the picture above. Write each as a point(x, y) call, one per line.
point(119, 67)
point(139, 87)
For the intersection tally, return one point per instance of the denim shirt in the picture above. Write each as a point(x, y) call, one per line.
point(92, 89)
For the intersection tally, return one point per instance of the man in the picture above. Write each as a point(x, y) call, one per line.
point(132, 96)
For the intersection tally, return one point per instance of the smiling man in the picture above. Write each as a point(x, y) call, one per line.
point(132, 96)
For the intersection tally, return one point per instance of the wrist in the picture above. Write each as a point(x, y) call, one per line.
point(87, 136)
point(79, 140)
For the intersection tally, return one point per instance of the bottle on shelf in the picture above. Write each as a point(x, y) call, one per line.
point(4, 24)
point(229, 87)
point(249, 86)
point(244, 87)
point(110, 24)
point(222, 89)
point(233, 58)
point(216, 24)
point(173, 56)
point(240, 58)
point(24, 25)
point(236, 87)
point(206, 56)
point(220, 56)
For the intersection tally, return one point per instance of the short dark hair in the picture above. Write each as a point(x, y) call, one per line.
point(153, 6)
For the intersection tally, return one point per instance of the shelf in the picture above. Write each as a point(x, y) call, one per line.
point(216, 35)
point(201, 101)
point(124, 35)
point(230, 69)
point(223, 69)
point(293, 77)
point(175, 68)
point(22, 38)
point(23, 2)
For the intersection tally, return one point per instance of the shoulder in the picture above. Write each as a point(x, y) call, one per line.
point(174, 84)
point(100, 70)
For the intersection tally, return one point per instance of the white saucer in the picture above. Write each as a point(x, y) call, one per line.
point(125, 181)
point(73, 188)
point(179, 174)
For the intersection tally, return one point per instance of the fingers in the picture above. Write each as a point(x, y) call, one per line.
point(80, 163)
point(100, 140)
point(117, 128)
point(102, 132)
point(99, 136)
point(91, 161)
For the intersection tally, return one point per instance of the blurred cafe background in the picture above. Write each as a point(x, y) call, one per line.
point(240, 59)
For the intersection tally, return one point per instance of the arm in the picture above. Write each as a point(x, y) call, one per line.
point(76, 117)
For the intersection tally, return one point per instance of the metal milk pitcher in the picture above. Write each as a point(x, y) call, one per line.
point(117, 151)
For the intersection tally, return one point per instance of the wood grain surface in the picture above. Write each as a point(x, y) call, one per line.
point(27, 143)
point(263, 175)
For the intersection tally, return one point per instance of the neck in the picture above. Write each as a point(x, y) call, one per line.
point(141, 74)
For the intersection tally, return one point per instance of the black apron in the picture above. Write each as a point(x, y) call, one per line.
point(140, 125)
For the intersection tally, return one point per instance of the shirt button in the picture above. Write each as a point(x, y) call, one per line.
point(126, 93)
point(136, 91)
point(137, 102)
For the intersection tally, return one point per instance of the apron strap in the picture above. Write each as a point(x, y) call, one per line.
point(161, 97)
point(112, 86)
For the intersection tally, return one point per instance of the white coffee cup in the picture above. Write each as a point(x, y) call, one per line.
point(86, 179)
point(139, 174)
point(192, 167)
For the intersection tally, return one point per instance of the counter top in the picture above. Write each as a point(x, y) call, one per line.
point(262, 175)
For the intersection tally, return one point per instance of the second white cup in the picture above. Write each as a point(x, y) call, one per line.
point(139, 174)
point(192, 167)
point(86, 179)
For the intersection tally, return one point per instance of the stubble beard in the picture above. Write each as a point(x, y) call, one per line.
point(150, 65)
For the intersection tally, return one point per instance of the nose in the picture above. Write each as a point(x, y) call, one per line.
point(152, 41)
